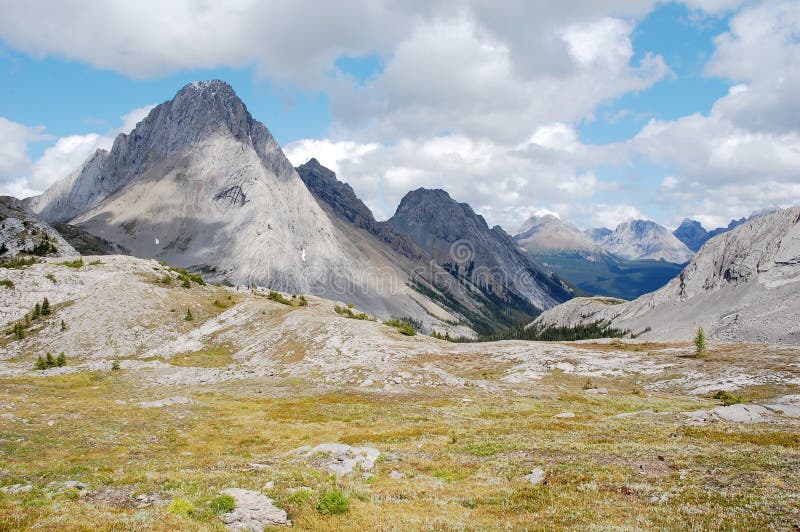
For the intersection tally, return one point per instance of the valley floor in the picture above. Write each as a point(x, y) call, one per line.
point(627, 435)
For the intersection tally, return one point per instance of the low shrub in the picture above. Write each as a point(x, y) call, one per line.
point(222, 504)
point(333, 502)
point(181, 507)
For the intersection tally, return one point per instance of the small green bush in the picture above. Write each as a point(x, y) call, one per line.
point(115, 365)
point(403, 327)
point(51, 277)
point(728, 398)
point(18, 263)
point(222, 504)
point(347, 312)
point(181, 507)
point(8, 283)
point(278, 298)
point(48, 361)
point(333, 502)
point(77, 263)
point(188, 316)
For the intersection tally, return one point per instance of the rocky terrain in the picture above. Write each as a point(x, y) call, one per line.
point(23, 232)
point(743, 284)
point(175, 394)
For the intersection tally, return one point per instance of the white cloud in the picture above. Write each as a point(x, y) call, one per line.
point(330, 154)
point(14, 139)
point(20, 177)
point(479, 98)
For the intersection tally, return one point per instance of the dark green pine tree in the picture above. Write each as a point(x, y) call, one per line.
point(45, 307)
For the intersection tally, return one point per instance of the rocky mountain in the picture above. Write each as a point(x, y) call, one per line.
point(395, 251)
point(23, 232)
point(597, 234)
point(743, 285)
point(643, 239)
point(691, 233)
point(548, 233)
point(200, 184)
point(484, 258)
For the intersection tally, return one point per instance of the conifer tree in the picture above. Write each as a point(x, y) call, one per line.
point(37, 311)
point(50, 361)
point(40, 364)
point(61, 360)
point(700, 343)
point(188, 316)
point(45, 307)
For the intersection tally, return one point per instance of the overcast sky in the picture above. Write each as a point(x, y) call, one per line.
point(597, 110)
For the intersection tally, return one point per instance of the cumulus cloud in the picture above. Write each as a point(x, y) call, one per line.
point(13, 141)
point(482, 99)
point(21, 177)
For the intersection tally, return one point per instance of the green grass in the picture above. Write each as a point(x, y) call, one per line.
point(8, 283)
point(222, 504)
point(77, 263)
point(18, 263)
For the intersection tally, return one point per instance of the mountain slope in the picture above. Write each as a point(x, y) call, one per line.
point(486, 258)
point(743, 285)
point(643, 239)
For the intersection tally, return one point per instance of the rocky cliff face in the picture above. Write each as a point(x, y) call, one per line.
point(743, 285)
point(487, 258)
point(22, 232)
point(643, 239)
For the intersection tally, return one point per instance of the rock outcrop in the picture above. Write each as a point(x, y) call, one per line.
point(24, 232)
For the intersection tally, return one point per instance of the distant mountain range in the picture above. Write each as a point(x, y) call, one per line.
point(637, 257)
point(586, 258)
point(743, 285)
point(201, 184)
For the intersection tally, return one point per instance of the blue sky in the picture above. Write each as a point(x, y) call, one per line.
point(598, 112)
